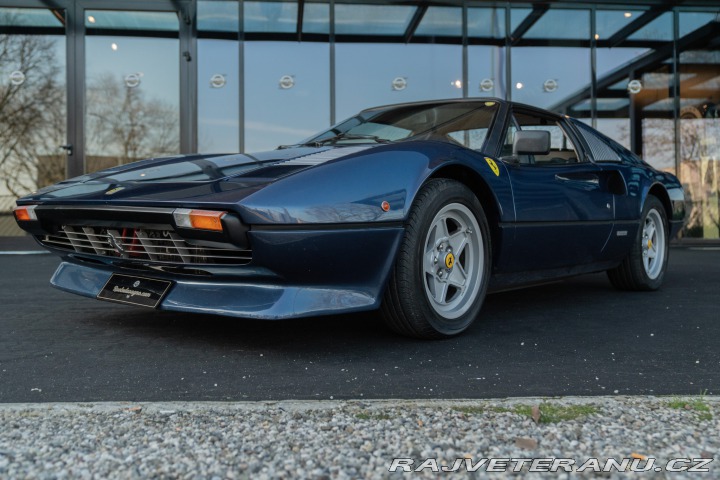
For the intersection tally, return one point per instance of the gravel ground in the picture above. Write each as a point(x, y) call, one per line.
point(349, 439)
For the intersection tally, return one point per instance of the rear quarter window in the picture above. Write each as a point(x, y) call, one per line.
point(599, 147)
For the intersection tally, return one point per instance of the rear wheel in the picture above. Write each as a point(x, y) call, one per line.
point(440, 278)
point(644, 268)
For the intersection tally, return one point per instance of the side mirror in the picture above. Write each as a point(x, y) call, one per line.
point(531, 142)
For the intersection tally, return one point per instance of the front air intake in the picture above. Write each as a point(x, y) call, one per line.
point(145, 245)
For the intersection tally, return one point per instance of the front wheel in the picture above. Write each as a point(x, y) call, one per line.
point(644, 268)
point(441, 275)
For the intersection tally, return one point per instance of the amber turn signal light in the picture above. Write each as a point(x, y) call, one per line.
point(199, 219)
point(25, 214)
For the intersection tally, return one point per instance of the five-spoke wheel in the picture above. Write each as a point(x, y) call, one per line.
point(644, 267)
point(441, 274)
point(452, 259)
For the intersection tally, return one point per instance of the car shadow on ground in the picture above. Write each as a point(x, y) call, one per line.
point(552, 306)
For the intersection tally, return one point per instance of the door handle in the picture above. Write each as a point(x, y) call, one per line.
point(68, 148)
point(590, 178)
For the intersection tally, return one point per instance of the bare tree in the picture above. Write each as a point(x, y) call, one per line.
point(32, 112)
point(700, 171)
point(124, 125)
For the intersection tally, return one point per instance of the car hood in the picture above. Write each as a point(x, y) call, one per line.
point(189, 179)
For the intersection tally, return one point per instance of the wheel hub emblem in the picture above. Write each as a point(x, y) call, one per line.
point(449, 260)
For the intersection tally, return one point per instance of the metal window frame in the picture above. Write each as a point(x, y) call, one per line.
point(75, 33)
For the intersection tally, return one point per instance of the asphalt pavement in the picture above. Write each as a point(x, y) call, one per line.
point(574, 337)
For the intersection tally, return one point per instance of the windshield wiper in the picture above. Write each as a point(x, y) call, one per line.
point(347, 136)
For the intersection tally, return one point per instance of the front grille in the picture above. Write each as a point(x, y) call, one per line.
point(162, 246)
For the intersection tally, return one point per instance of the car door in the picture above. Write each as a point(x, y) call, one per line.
point(564, 213)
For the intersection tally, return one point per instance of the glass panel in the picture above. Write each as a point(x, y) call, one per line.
point(287, 99)
point(132, 96)
point(561, 24)
point(29, 17)
point(486, 71)
point(218, 96)
point(517, 15)
point(32, 111)
point(659, 29)
point(699, 145)
point(486, 22)
point(372, 19)
point(691, 21)
point(486, 63)
point(217, 16)
point(316, 18)
point(163, 21)
point(547, 76)
point(376, 74)
point(613, 103)
point(441, 21)
point(609, 22)
point(270, 17)
point(609, 59)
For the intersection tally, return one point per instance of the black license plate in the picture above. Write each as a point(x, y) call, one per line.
point(146, 292)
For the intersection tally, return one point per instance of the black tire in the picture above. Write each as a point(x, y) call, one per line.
point(431, 293)
point(637, 272)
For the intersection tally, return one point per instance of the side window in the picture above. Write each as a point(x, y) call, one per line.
point(598, 147)
point(562, 149)
point(507, 148)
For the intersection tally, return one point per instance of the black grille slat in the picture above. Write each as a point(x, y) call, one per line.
point(155, 246)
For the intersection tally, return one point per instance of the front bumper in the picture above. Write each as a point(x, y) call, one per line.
point(294, 273)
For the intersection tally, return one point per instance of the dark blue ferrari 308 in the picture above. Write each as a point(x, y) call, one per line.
point(418, 209)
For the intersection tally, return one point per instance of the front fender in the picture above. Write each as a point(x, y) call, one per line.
point(353, 189)
point(348, 190)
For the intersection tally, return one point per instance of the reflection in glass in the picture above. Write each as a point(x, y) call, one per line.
point(691, 21)
point(132, 99)
point(546, 76)
point(659, 29)
point(699, 144)
point(561, 24)
point(441, 21)
point(533, 66)
point(270, 16)
point(218, 101)
point(30, 17)
point(517, 15)
point(609, 22)
point(316, 18)
point(486, 22)
point(365, 72)
point(275, 115)
point(652, 109)
point(613, 104)
point(32, 109)
point(372, 19)
point(217, 16)
point(486, 63)
point(158, 21)
point(609, 59)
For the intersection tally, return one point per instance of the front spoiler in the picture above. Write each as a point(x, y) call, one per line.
point(230, 298)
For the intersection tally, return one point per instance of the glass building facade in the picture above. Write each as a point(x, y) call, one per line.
point(88, 84)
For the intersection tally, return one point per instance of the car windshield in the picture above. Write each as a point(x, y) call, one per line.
point(464, 123)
